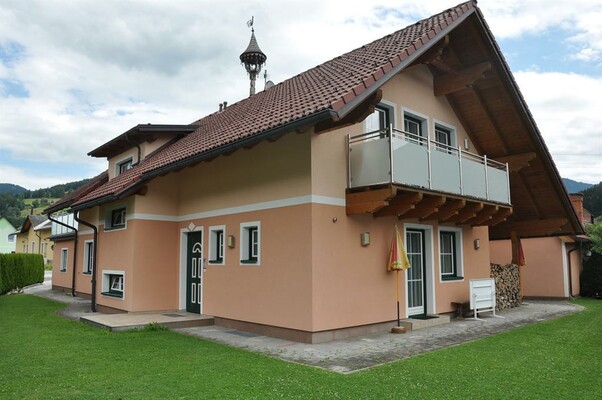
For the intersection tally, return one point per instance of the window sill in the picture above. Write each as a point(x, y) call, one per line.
point(115, 228)
point(62, 270)
point(216, 262)
point(87, 273)
point(118, 295)
point(452, 278)
point(249, 262)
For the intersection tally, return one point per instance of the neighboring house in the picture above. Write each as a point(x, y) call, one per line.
point(7, 236)
point(34, 237)
point(553, 265)
point(276, 213)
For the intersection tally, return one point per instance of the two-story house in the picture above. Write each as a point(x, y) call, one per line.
point(34, 237)
point(275, 214)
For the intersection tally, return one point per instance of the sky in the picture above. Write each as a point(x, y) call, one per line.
point(75, 74)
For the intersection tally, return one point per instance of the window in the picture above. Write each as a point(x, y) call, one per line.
point(216, 244)
point(124, 166)
point(11, 238)
point(42, 248)
point(64, 256)
point(33, 247)
point(115, 218)
point(25, 248)
point(413, 124)
point(113, 283)
point(379, 120)
point(250, 243)
point(450, 242)
point(88, 257)
point(445, 136)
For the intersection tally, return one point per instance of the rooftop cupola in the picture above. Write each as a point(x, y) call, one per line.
point(253, 58)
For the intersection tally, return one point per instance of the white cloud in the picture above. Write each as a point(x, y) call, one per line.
point(94, 69)
point(569, 118)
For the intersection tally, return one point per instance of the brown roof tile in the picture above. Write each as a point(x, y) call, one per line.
point(329, 86)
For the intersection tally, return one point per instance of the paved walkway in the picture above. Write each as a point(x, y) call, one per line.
point(350, 355)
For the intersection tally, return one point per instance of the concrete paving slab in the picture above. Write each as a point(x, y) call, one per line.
point(129, 321)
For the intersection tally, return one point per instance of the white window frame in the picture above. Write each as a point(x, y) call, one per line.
point(11, 238)
point(64, 259)
point(459, 252)
point(245, 229)
point(87, 269)
point(118, 164)
point(33, 247)
point(106, 283)
point(214, 247)
point(453, 132)
point(424, 121)
point(109, 218)
point(390, 108)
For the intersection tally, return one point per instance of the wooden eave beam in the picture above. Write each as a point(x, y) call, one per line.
point(516, 162)
point(427, 206)
point(501, 216)
point(530, 228)
point(368, 201)
point(453, 82)
point(402, 203)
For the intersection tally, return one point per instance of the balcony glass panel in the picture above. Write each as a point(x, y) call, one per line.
point(407, 159)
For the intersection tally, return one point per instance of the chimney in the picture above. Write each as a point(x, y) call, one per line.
point(225, 104)
point(221, 106)
point(577, 202)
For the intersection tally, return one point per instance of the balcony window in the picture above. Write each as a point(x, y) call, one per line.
point(379, 120)
point(414, 124)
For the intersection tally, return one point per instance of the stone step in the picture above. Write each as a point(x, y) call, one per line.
point(129, 321)
point(412, 324)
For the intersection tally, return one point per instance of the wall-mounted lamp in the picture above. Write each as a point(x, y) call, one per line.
point(466, 144)
point(365, 238)
point(477, 244)
point(231, 241)
point(334, 219)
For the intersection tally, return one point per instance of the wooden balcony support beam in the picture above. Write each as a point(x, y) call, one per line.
point(501, 216)
point(453, 82)
point(368, 201)
point(484, 216)
point(468, 212)
point(427, 206)
point(401, 204)
point(530, 228)
point(448, 210)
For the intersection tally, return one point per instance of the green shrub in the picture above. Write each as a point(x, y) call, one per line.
point(591, 277)
point(20, 270)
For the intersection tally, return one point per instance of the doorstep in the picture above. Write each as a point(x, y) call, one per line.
point(129, 321)
point(414, 324)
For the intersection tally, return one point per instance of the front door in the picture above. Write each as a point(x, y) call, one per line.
point(194, 272)
point(416, 277)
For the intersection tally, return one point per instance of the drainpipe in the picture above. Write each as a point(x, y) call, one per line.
point(95, 241)
point(74, 250)
point(39, 243)
point(568, 255)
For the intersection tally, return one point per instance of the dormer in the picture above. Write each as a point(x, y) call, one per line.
point(130, 148)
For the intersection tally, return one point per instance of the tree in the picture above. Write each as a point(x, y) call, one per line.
point(594, 232)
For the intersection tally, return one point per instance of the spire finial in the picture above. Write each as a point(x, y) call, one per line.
point(253, 58)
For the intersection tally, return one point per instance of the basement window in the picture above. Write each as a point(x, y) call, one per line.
point(113, 283)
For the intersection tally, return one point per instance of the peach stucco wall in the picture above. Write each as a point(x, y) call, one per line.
point(546, 265)
point(62, 278)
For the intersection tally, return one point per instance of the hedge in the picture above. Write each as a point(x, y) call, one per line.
point(591, 276)
point(20, 270)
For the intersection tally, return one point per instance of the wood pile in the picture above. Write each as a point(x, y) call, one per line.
point(507, 285)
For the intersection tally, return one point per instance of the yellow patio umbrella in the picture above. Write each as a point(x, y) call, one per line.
point(398, 261)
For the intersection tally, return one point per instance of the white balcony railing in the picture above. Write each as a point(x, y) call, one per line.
point(407, 159)
point(66, 219)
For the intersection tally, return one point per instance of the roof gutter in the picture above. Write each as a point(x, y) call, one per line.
point(531, 122)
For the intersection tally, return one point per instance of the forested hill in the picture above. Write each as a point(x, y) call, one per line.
point(11, 188)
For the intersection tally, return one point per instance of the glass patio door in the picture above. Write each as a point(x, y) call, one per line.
point(415, 275)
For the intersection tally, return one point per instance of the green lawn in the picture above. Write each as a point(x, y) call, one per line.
point(43, 356)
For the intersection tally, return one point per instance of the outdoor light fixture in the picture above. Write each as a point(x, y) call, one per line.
point(365, 238)
point(231, 241)
point(466, 144)
point(477, 244)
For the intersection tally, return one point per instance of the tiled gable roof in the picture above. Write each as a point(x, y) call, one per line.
point(331, 88)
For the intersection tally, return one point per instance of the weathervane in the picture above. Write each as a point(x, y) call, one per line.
point(253, 58)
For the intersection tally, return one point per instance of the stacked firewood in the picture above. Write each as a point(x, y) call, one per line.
point(507, 285)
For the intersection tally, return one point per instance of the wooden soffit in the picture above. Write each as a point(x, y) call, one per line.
point(409, 203)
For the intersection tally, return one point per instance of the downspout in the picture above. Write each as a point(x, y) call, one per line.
point(74, 250)
point(568, 255)
point(95, 241)
point(127, 139)
point(39, 243)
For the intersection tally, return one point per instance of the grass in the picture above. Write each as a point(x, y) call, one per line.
point(43, 356)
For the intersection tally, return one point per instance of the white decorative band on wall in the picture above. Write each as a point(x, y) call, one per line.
point(267, 205)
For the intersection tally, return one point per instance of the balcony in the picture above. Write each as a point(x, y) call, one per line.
point(401, 173)
point(60, 230)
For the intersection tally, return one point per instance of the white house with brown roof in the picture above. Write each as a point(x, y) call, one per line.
point(275, 214)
